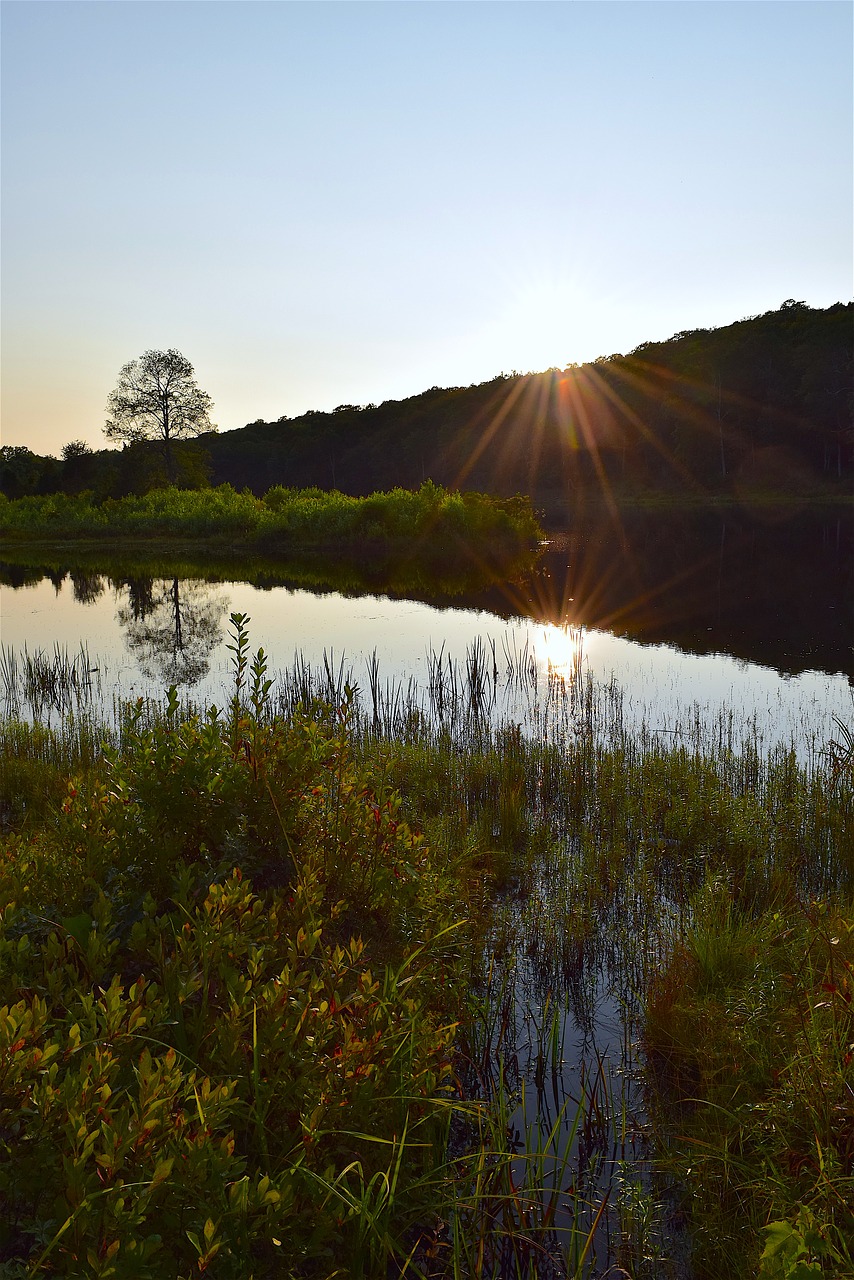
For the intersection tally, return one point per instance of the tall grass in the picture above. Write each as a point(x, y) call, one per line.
point(45, 682)
point(591, 985)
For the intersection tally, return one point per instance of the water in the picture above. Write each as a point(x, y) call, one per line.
point(175, 631)
point(746, 630)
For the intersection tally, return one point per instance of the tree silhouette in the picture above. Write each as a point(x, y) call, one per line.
point(157, 398)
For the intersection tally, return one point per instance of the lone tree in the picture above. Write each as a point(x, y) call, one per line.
point(157, 398)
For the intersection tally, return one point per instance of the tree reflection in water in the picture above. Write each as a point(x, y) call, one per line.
point(172, 626)
point(86, 586)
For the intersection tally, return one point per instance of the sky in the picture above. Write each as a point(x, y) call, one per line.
point(343, 203)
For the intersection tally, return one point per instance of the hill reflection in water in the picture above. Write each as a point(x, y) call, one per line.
point(779, 592)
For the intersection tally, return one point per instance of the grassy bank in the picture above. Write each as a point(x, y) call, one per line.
point(231, 974)
point(430, 524)
point(260, 978)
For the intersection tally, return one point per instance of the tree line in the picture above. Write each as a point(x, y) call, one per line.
point(761, 404)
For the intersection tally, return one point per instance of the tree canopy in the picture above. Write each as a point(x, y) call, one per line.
point(762, 404)
point(157, 398)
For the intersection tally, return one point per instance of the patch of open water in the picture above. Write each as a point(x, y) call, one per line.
point(569, 1041)
point(178, 634)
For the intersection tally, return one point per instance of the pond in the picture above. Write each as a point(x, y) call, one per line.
point(691, 618)
point(712, 628)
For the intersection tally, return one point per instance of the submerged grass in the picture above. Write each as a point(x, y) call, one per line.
point(317, 985)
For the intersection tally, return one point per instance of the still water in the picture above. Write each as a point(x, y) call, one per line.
point(145, 634)
point(746, 627)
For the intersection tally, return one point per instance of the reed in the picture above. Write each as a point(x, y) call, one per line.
point(48, 682)
point(449, 1015)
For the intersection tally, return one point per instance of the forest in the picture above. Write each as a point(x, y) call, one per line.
point(761, 406)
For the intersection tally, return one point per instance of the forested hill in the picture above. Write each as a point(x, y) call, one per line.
point(762, 404)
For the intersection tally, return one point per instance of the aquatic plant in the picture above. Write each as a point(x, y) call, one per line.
point(365, 942)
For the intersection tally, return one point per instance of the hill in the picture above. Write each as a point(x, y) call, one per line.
point(761, 405)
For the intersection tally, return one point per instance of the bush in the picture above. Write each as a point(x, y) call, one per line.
point(428, 524)
point(200, 1068)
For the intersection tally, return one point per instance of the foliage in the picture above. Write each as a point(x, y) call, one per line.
point(753, 1020)
point(231, 923)
point(724, 882)
point(226, 1072)
point(429, 524)
point(758, 412)
point(157, 398)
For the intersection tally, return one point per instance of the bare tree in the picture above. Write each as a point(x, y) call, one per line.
point(157, 398)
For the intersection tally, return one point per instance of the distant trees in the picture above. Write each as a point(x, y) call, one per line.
point(707, 411)
point(23, 472)
point(20, 470)
point(704, 411)
point(157, 398)
point(75, 449)
point(79, 469)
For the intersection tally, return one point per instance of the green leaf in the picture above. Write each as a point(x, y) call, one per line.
point(781, 1237)
point(79, 927)
point(782, 1248)
point(238, 1195)
point(162, 1170)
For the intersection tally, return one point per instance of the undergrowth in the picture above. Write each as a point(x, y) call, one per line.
point(230, 980)
point(259, 993)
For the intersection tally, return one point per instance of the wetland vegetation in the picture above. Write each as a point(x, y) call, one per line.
point(318, 981)
point(277, 977)
point(430, 525)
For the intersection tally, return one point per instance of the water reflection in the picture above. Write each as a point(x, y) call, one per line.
point(708, 582)
point(714, 581)
point(171, 627)
point(87, 586)
point(140, 597)
point(658, 612)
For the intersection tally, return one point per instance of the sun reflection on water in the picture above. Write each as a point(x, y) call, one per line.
point(562, 651)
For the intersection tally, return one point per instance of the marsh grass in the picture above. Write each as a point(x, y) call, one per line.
point(45, 682)
point(540, 997)
point(751, 1028)
point(430, 525)
point(668, 868)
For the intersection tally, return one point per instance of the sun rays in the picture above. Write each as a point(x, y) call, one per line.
point(586, 438)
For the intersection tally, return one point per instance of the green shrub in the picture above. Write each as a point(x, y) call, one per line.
point(429, 524)
point(196, 1072)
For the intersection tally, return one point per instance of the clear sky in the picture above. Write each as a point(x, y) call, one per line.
point(327, 203)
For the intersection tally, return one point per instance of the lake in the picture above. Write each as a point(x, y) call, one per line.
point(685, 627)
point(692, 617)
